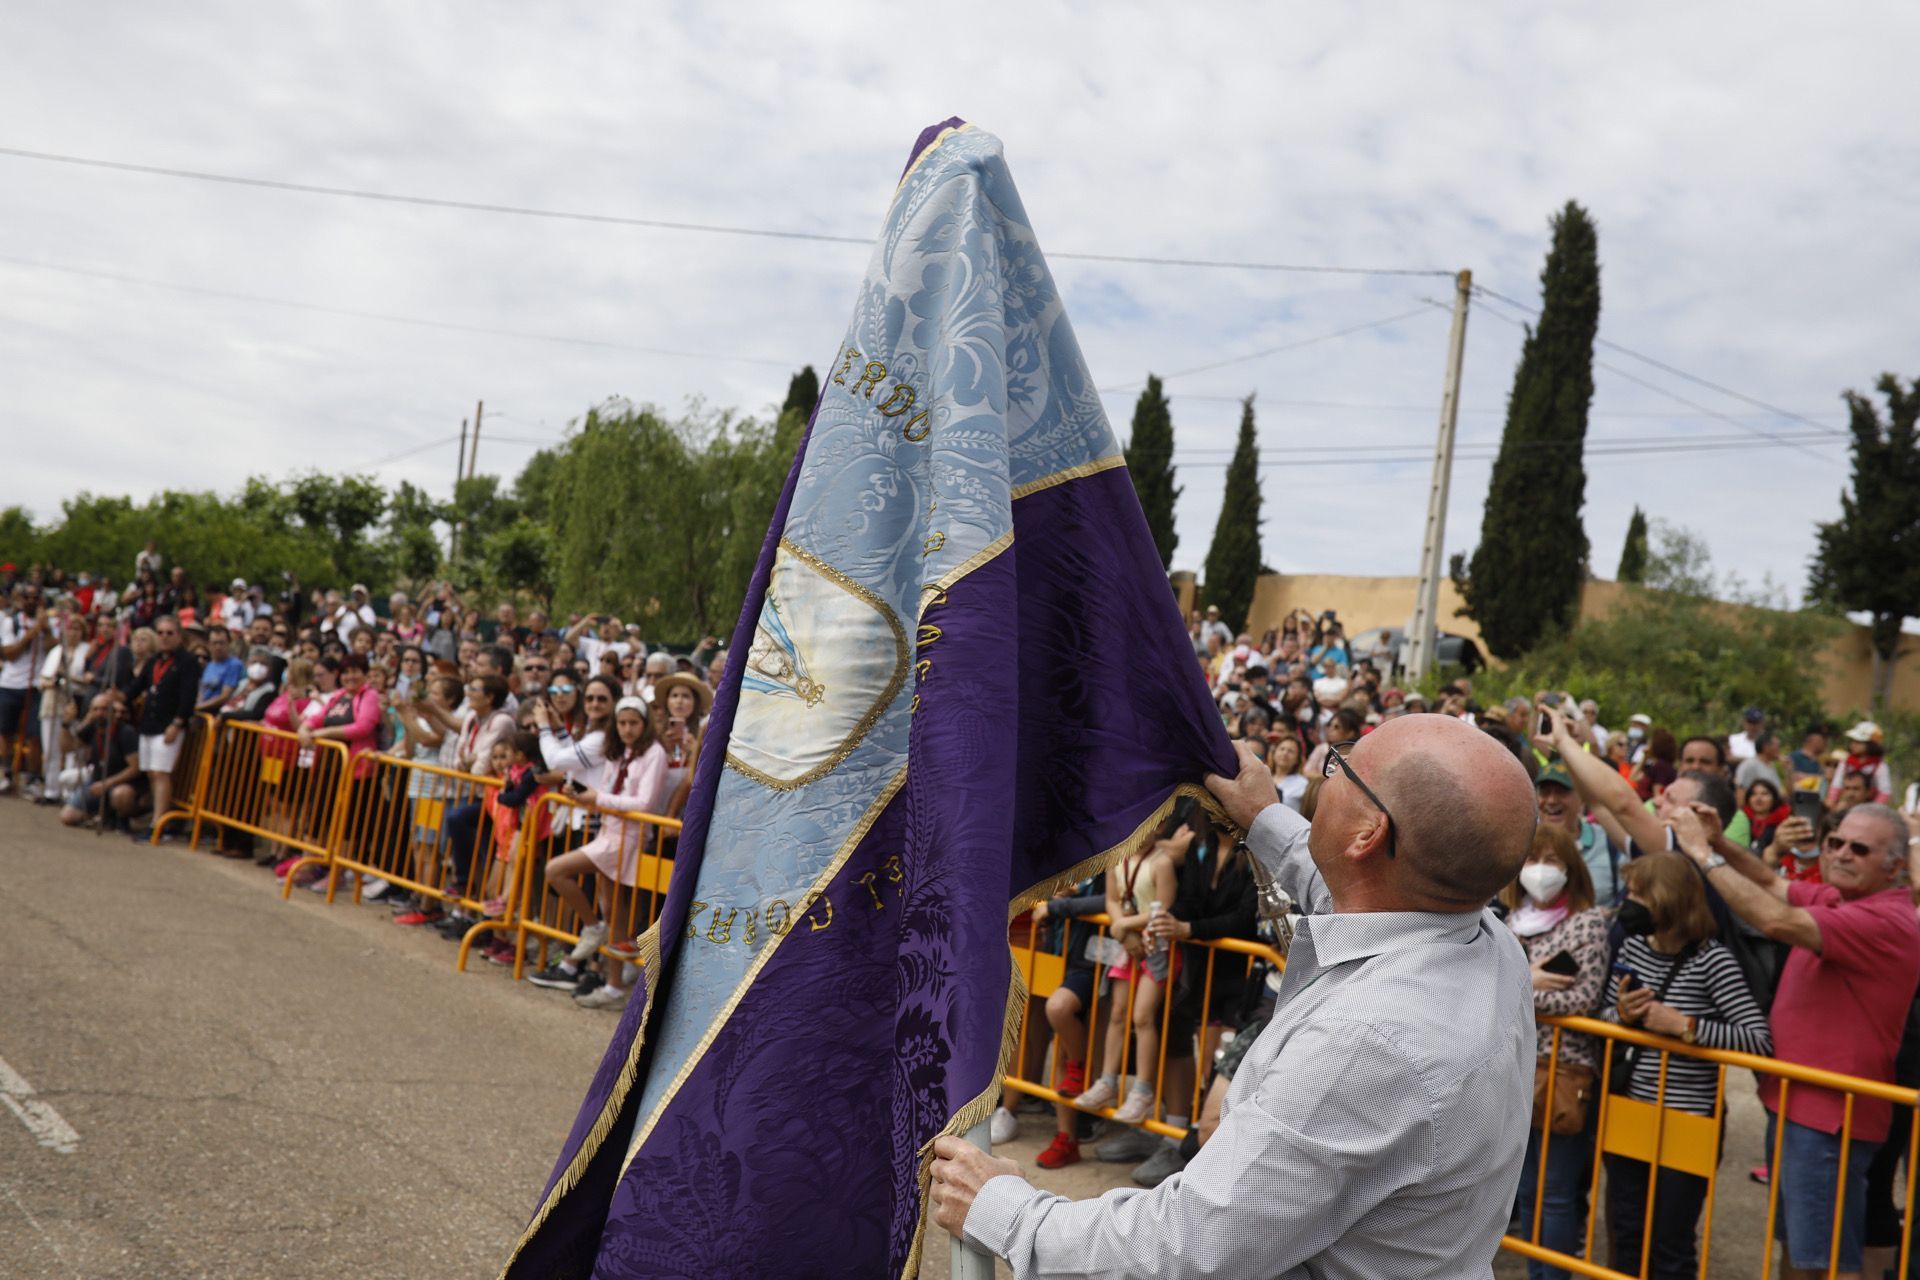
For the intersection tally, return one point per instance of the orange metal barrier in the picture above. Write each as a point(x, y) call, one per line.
point(629, 909)
point(1044, 970)
point(189, 775)
point(260, 780)
point(1666, 1138)
point(396, 829)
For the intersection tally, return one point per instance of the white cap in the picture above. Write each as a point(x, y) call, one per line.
point(239, 584)
point(630, 703)
point(1329, 689)
point(1865, 731)
point(1641, 718)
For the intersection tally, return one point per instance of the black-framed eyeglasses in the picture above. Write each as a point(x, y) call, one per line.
point(1337, 758)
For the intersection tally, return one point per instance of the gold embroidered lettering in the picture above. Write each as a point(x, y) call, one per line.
point(892, 865)
point(869, 378)
point(898, 402)
point(923, 666)
point(922, 419)
point(916, 704)
point(786, 918)
point(753, 927)
point(927, 635)
point(841, 377)
point(693, 919)
point(937, 541)
point(815, 926)
point(868, 880)
point(726, 928)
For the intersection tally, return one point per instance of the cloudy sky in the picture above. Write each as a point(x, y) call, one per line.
point(1751, 168)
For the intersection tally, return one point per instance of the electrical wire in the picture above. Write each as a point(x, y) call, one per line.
point(663, 224)
point(1741, 396)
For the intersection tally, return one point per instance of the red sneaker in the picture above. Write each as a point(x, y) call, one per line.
point(286, 865)
point(420, 917)
point(1063, 1152)
point(1073, 1079)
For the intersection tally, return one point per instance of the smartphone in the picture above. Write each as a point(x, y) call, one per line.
point(1808, 805)
point(1563, 963)
point(1624, 970)
point(1546, 725)
point(574, 787)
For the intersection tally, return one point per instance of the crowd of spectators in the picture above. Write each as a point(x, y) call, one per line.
point(100, 686)
point(1742, 891)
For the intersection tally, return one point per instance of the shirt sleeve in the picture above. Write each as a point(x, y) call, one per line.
point(1738, 1023)
point(1862, 934)
point(1278, 838)
point(1340, 1122)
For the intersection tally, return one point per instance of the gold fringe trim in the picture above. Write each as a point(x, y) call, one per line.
point(931, 147)
point(982, 1106)
point(648, 959)
point(1093, 468)
point(720, 1020)
point(979, 1109)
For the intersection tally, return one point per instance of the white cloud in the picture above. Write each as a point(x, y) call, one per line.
point(1750, 168)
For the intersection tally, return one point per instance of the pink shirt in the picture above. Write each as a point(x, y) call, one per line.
point(1844, 1009)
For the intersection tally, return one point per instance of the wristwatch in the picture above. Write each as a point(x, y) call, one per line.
point(1712, 860)
point(1692, 1033)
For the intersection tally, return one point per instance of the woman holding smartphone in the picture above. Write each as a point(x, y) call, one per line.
point(1550, 907)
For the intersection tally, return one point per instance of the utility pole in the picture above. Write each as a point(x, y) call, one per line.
point(1426, 601)
point(459, 471)
point(473, 457)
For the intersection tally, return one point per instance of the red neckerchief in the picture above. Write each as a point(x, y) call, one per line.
point(160, 668)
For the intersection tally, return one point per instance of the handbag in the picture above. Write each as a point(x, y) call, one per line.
point(1572, 1091)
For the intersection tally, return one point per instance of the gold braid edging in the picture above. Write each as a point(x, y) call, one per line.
point(981, 1107)
point(648, 959)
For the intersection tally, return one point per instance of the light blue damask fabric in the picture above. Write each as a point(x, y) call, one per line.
point(958, 382)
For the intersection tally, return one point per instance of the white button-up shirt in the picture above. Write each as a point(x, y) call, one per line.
point(1373, 1132)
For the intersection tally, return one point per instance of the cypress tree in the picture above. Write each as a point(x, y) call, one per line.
point(1150, 463)
point(1233, 561)
point(1633, 555)
point(1869, 559)
point(803, 392)
point(1525, 576)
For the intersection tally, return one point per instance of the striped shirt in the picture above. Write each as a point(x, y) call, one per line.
point(1711, 988)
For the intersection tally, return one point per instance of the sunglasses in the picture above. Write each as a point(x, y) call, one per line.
point(560, 688)
point(1859, 848)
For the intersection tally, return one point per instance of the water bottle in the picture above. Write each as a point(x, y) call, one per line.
point(1153, 910)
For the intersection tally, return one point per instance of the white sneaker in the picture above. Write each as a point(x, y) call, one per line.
point(590, 939)
point(1003, 1127)
point(1137, 1107)
point(375, 890)
point(602, 998)
point(1103, 1094)
point(6, 784)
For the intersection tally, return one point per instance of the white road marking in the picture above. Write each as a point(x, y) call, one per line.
point(48, 1127)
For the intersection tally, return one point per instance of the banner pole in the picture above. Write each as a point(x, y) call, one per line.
point(966, 1261)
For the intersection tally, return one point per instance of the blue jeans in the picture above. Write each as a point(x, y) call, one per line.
point(1808, 1174)
point(1563, 1210)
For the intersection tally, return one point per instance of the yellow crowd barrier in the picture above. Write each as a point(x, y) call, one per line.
point(189, 773)
point(629, 909)
point(1667, 1138)
point(1045, 969)
point(261, 780)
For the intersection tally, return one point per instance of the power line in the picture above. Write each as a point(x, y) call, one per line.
point(1678, 373)
point(386, 318)
point(1381, 323)
point(1671, 395)
point(407, 453)
point(1485, 454)
point(1266, 403)
point(1602, 441)
point(663, 224)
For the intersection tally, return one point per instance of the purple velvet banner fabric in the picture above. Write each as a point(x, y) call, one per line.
point(1055, 705)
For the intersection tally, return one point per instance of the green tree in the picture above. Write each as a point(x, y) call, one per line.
point(1633, 553)
point(1233, 561)
point(1869, 559)
point(1524, 578)
point(519, 558)
point(803, 394)
point(19, 539)
point(1150, 463)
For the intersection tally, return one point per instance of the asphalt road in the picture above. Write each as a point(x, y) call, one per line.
point(228, 1085)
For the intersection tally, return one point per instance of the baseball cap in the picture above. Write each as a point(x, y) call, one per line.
point(239, 584)
point(1554, 775)
point(359, 589)
point(1865, 731)
point(1753, 713)
point(1640, 718)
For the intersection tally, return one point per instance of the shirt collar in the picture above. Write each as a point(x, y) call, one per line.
point(1338, 938)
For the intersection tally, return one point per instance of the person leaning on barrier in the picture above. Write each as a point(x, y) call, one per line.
point(115, 778)
point(1377, 1125)
point(1841, 1005)
point(1674, 979)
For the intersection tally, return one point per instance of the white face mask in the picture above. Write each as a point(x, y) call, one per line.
point(257, 673)
point(1543, 881)
point(1636, 733)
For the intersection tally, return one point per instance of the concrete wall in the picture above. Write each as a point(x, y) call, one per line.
point(1362, 603)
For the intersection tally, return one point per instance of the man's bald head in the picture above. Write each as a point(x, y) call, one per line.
point(1463, 810)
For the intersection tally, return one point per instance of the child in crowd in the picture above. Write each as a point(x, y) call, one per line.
point(1141, 880)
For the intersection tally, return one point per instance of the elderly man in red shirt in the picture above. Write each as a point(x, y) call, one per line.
point(1841, 1005)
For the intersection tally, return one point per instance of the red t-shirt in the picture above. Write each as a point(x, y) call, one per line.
point(1844, 1009)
